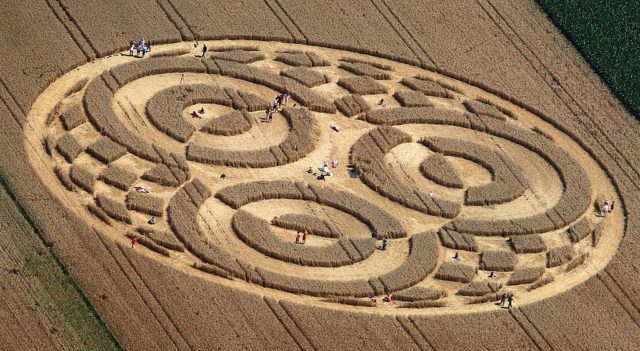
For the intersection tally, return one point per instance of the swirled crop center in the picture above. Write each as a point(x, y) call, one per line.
point(471, 196)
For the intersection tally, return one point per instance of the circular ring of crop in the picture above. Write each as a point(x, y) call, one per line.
point(476, 196)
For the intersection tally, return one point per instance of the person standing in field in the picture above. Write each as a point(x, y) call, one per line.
point(304, 236)
point(605, 208)
point(204, 51)
point(298, 237)
point(503, 299)
point(387, 298)
point(276, 103)
point(269, 115)
point(385, 243)
point(510, 299)
point(144, 50)
point(134, 241)
point(142, 45)
point(133, 46)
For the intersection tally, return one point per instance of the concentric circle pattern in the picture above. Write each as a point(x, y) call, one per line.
point(473, 196)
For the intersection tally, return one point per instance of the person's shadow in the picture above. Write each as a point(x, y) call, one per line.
point(127, 55)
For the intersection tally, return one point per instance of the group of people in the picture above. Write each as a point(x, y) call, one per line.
point(506, 298)
point(324, 170)
point(385, 299)
point(276, 105)
point(141, 47)
point(385, 241)
point(198, 114)
point(301, 237)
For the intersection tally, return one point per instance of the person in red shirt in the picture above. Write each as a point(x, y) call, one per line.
point(134, 241)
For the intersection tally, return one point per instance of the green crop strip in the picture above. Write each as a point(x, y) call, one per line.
point(607, 35)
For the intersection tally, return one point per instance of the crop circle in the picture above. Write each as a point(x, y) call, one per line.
point(475, 196)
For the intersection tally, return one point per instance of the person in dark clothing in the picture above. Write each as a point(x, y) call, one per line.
point(503, 299)
point(204, 50)
point(385, 243)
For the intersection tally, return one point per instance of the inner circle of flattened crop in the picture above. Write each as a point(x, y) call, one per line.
point(170, 149)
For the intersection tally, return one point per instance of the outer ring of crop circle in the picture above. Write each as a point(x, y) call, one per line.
point(37, 107)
